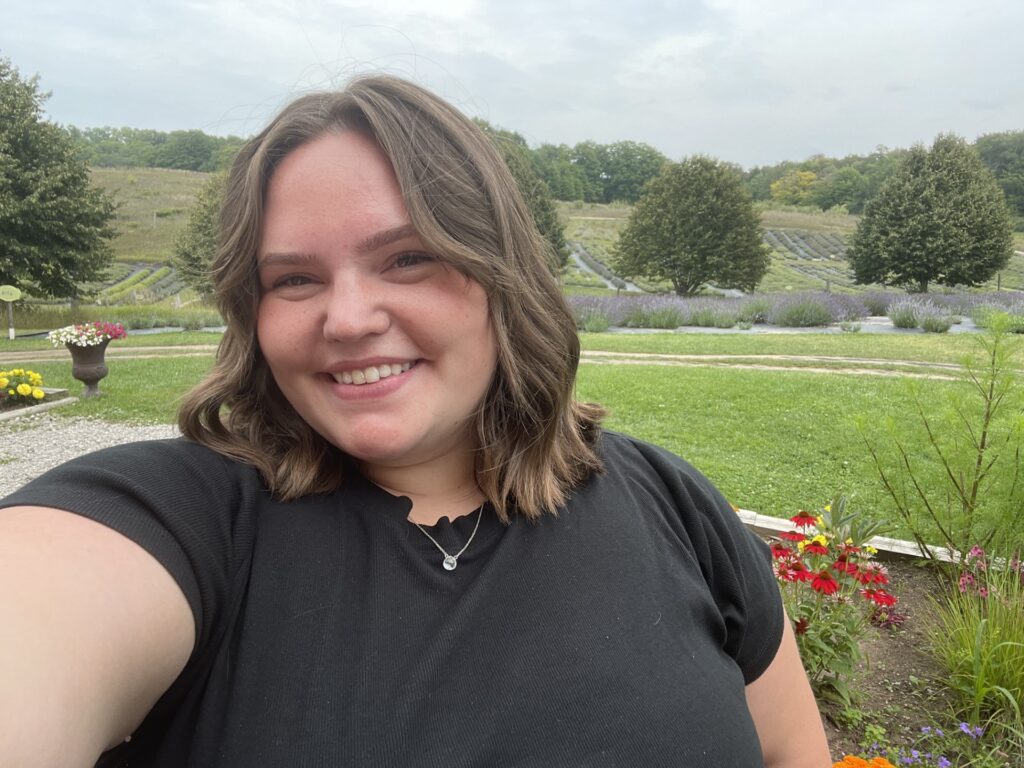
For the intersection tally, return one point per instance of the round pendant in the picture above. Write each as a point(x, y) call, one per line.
point(450, 563)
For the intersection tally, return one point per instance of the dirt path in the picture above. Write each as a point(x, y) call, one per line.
point(845, 366)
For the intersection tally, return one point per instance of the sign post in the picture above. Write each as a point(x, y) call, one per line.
point(10, 294)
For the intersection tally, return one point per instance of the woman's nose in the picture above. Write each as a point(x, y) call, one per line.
point(355, 308)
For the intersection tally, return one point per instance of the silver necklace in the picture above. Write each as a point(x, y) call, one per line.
point(450, 562)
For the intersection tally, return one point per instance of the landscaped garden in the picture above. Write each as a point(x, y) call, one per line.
point(783, 423)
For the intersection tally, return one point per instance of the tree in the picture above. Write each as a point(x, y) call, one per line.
point(535, 192)
point(53, 224)
point(196, 244)
point(940, 218)
point(629, 165)
point(795, 188)
point(695, 223)
point(1003, 154)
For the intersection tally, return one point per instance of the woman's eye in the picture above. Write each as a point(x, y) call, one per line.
point(406, 260)
point(291, 281)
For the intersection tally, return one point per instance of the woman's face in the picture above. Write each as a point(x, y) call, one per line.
point(381, 348)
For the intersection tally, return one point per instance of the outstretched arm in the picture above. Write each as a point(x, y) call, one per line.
point(92, 631)
point(785, 712)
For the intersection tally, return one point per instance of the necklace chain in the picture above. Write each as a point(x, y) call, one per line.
point(450, 562)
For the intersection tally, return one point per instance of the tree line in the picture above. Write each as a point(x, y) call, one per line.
point(596, 173)
point(938, 215)
point(145, 148)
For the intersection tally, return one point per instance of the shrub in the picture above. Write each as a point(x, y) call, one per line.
point(801, 312)
point(968, 486)
point(594, 322)
point(877, 302)
point(933, 319)
point(979, 640)
point(905, 312)
point(754, 309)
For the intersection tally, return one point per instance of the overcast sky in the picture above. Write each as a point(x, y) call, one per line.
point(753, 82)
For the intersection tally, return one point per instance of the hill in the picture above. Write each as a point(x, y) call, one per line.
point(808, 246)
point(153, 207)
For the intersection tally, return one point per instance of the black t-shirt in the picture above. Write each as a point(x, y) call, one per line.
point(620, 632)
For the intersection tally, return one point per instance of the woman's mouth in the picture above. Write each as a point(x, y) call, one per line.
point(372, 373)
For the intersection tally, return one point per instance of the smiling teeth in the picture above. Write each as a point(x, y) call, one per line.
point(372, 374)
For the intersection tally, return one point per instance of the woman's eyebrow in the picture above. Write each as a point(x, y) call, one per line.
point(287, 258)
point(386, 237)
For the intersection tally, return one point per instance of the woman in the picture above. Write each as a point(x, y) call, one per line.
point(393, 536)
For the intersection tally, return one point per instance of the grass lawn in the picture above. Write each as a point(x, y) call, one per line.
point(170, 339)
point(938, 348)
point(135, 391)
point(773, 441)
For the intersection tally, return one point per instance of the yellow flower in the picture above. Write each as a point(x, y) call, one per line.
point(10, 392)
point(24, 389)
point(870, 550)
point(4, 382)
point(820, 521)
point(38, 394)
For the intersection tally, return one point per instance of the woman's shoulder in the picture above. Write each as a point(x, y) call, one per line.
point(634, 457)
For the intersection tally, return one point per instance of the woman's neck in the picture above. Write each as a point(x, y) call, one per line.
point(437, 489)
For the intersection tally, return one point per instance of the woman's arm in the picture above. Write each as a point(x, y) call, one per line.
point(785, 712)
point(92, 631)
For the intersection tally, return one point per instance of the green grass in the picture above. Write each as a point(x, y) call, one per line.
point(169, 339)
point(773, 442)
point(154, 204)
point(135, 391)
point(919, 347)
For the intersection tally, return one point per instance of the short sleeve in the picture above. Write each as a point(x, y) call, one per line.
point(178, 500)
point(736, 564)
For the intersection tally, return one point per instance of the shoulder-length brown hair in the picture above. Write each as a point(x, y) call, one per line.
point(536, 442)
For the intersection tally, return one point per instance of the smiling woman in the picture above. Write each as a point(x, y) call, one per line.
point(393, 536)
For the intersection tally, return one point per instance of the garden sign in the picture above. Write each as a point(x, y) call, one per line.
point(10, 294)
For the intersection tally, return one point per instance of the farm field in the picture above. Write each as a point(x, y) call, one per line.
point(808, 247)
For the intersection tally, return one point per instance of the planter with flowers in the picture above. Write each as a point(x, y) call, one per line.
point(87, 343)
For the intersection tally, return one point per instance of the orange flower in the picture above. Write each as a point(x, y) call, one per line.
point(851, 761)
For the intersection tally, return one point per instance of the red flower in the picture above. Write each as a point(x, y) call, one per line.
point(824, 583)
point(879, 597)
point(816, 548)
point(804, 519)
point(801, 625)
point(873, 573)
point(792, 536)
point(842, 565)
point(780, 552)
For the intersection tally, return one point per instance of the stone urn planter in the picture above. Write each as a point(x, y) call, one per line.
point(87, 343)
point(88, 365)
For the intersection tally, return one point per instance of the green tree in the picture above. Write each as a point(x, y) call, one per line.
point(941, 218)
point(795, 188)
point(196, 244)
point(629, 165)
point(516, 153)
point(1003, 154)
point(695, 223)
point(54, 226)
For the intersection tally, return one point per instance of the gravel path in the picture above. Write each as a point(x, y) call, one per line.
point(33, 444)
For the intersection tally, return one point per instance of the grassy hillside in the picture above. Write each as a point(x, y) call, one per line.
point(154, 205)
point(808, 247)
